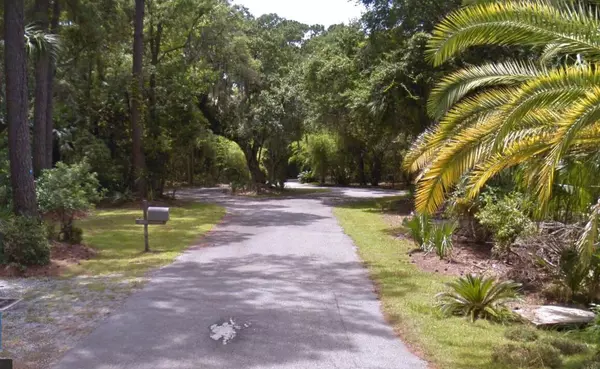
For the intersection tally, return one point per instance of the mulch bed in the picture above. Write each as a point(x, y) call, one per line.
point(62, 255)
point(466, 259)
point(474, 258)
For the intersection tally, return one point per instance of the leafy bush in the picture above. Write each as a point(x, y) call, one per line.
point(306, 177)
point(25, 241)
point(66, 192)
point(591, 365)
point(594, 328)
point(567, 346)
point(119, 198)
point(527, 355)
point(479, 297)
point(506, 217)
point(441, 238)
point(521, 334)
point(574, 278)
point(572, 273)
point(420, 229)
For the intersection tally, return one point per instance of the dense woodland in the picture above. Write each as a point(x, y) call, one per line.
point(488, 111)
point(154, 93)
point(137, 97)
point(484, 108)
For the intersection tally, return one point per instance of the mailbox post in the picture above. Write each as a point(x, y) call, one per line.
point(152, 215)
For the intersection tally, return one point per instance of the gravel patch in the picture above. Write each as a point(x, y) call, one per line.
point(55, 314)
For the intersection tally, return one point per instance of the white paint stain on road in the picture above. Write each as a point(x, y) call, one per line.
point(226, 331)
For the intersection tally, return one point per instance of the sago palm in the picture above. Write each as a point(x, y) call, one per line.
point(515, 113)
point(478, 297)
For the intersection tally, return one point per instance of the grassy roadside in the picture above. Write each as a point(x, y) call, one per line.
point(120, 241)
point(407, 296)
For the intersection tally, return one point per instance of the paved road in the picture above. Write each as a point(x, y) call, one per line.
point(287, 276)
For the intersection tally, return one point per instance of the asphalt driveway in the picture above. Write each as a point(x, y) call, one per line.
point(276, 285)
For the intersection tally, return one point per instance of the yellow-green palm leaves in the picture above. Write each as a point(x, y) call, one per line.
point(495, 116)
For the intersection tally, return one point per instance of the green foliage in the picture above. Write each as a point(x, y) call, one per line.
point(321, 151)
point(65, 192)
point(522, 333)
point(575, 277)
point(441, 238)
point(420, 229)
point(567, 346)
point(478, 297)
point(306, 177)
point(591, 365)
point(430, 235)
point(594, 328)
point(536, 112)
point(506, 217)
point(25, 241)
point(113, 234)
point(527, 355)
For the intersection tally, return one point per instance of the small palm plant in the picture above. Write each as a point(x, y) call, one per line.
point(420, 229)
point(478, 297)
point(441, 238)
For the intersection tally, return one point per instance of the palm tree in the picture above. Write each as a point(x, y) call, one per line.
point(531, 114)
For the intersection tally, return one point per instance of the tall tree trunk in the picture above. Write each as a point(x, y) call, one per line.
point(155, 41)
point(139, 163)
point(362, 177)
point(19, 145)
point(253, 162)
point(50, 92)
point(376, 169)
point(41, 93)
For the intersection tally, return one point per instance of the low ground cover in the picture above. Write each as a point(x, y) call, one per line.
point(120, 242)
point(408, 298)
point(57, 312)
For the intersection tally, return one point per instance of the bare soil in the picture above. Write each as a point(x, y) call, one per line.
point(62, 256)
point(474, 258)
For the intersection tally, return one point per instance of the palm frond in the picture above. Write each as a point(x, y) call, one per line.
point(457, 85)
point(556, 90)
point(524, 145)
point(583, 113)
point(587, 244)
point(536, 22)
point(454, 160)
point(465, 114)
point(39, 42)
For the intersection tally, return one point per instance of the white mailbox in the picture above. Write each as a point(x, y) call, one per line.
point(158, 215)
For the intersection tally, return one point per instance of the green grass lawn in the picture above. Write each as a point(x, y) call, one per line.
point(120, 241)
point(407, 295)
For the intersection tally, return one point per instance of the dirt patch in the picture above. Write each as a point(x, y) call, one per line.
point(55, 314)
point(466, 259)
point(476, 258)
point(62, 256)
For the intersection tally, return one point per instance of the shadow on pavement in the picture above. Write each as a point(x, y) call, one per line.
point(293, 320)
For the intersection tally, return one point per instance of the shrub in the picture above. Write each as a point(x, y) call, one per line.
point(506, 218)
point(527, 355)
point(441, 238)
point(591, 365)
point(65, 192)
point(594, 328)
point(567, 346)
point(479, 297)
point(306, 177)
point(25, 241)
point(572, 277)
point(420, 229)
point(521, 334)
